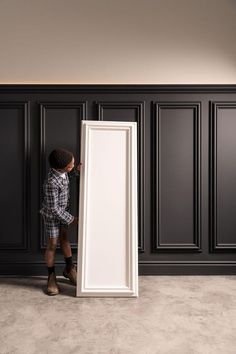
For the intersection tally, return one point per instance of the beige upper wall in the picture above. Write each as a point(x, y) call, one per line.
point(118, 41)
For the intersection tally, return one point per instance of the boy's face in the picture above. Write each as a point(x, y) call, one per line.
point(69, 167)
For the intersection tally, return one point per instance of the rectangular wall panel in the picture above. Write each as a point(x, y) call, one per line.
point(14, 177)
point(108, 239)
point(177, 176)
point(131, 112)
point(60, 127)
point(223, 176)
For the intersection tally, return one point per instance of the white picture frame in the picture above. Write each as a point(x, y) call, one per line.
point(108, 219)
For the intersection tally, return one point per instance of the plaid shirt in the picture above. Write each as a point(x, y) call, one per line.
point(56, 196)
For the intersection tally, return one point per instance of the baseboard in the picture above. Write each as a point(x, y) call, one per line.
point(187, 268)
point(145, 268)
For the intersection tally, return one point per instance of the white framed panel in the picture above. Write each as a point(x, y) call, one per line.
point(108, 225)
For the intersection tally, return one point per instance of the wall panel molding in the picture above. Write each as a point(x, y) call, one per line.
point(23, 107)
point(219, 206)
point(196, 160)
point(159, 243)
point(139, 109)
point(44, 108)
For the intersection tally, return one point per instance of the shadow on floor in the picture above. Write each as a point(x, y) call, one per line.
point(39, 283)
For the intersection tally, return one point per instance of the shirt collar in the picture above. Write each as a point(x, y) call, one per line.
point(60, 174)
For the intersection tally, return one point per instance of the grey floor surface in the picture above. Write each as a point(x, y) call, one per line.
point(173, 315)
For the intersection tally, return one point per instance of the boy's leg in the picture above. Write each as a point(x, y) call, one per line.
point(52, 287)
point(64, 242)
point(50, 251)
point(70, 269)
point(52, 232)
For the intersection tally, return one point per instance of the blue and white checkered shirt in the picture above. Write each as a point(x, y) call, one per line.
point(56, 197)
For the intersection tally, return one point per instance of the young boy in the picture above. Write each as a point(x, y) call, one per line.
point(56, 215)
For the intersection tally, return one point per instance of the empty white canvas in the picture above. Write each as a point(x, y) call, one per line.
point(108, 225)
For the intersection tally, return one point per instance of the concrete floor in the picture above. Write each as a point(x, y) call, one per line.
point(173, 315)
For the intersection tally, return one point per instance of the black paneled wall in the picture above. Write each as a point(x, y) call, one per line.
point(186, 170)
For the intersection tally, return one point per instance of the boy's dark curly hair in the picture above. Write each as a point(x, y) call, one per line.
point(59, 158)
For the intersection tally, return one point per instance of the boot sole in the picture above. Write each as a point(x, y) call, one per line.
point(67, 277)
point(52, 294)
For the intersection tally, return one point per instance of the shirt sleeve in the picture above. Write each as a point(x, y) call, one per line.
point(51, 191)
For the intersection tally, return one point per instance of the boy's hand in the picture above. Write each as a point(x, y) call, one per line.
point(75, 221)
point(78, 167)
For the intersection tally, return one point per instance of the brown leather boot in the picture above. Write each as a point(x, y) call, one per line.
point(52, 287)
point(71, 274)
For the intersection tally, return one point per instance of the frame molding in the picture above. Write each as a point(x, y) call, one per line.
point(157, 245)
point(214, 243)
point(25, 246)
point(139, 107)
point(112, 277)
point(43, 106)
